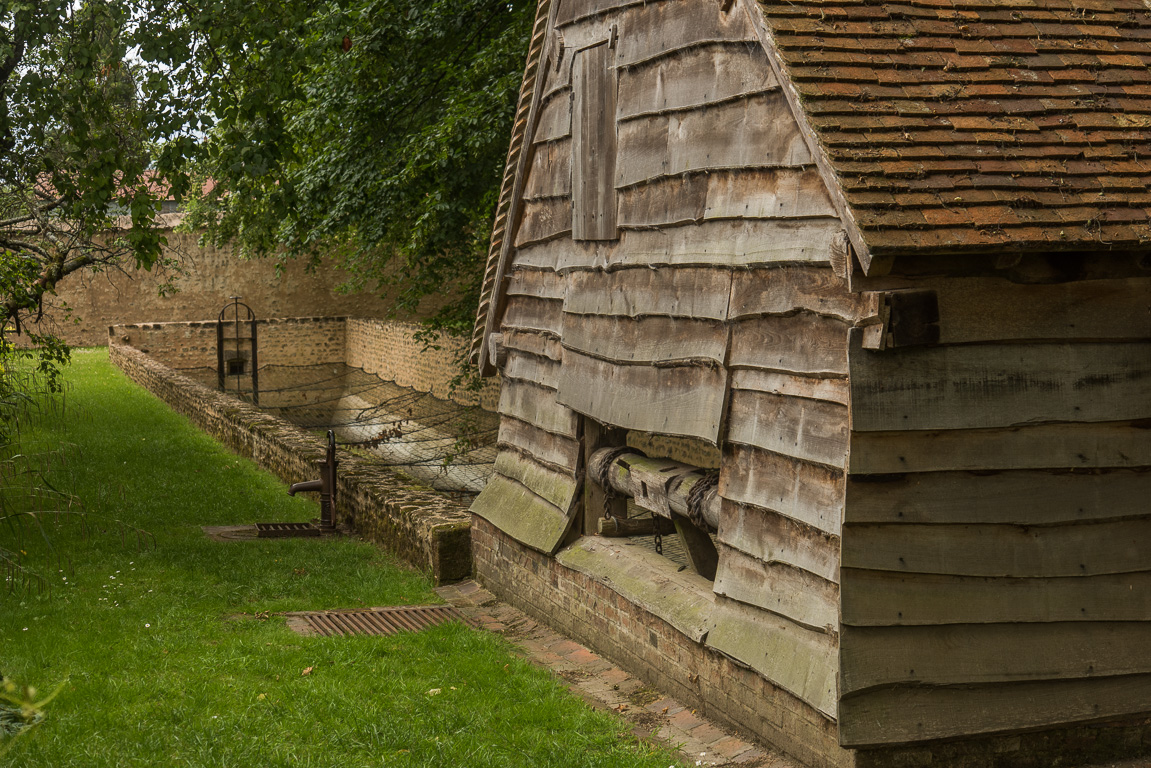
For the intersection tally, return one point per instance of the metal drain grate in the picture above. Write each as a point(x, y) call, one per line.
point(285, 530)
point(381, 621)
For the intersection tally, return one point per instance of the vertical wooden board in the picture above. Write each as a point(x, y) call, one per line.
point(555, 121)
point(1020, 497)
point(811, 430)
point(798, 595)
point(700, 293)
point(593, 145)
point(754, 132)
point(773, 538)
point(654, 339)
point(541, 283)
point(544, 219)
point(521, 514)
point(754, 193)
point(801, 661)
point(528, 313)
point(694, 77)
point(555, 451)
point(782, 290)
point(808, 493)
point(801, 343)
point(1002, 385)
point(550, 172)
point(880, 598)
point(681, 400)
point(557, 488)
point(1045, 446)
point(902, 715)
point(1074, 549)
point(537, 405)
point(973, 654)
point(833, 390)
point(738, 243)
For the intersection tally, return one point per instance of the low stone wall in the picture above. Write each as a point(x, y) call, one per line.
point(421, 527)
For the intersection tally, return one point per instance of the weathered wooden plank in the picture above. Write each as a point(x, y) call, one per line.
point(557, 488)
point(1076, 446)
point(541, 283)
point(698, 547)
point(744, 194)
point(981, 309)
point(538, 256)
point(806, 492)
point(685, 292)
point(575, 10)
point(882, 598)
point(796, 594)
point(645, 339)
point(811, 430)
point(550, 173)
point(971, 654)
point(784, 289)
point(537, 406)
point(681, 400)
point(1001, 550)
point(900, 715)
point(736, 243)
point(1000, 385)
point(528, 313)
point(801, 661)
point(1011, 498)
point(521, 514)
point(694, 77)
point(657, 29)
point(775, 383)
point(544, 219)
point(754, 132)
point(686, 450)
point(523, 366)
point(560, 453)
point(555, 121)
point(800, 343)
point(536, 343)
point(684, 599)
point(593, 143)
point(773, 538)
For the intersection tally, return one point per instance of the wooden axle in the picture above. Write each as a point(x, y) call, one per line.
point(659, 485)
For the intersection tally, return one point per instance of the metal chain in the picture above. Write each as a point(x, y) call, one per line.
point(608, 498)
point(658, 533)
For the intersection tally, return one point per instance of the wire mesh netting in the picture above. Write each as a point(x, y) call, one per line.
point(449, 446)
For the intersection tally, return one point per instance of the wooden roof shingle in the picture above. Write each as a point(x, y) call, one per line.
point(959, 126)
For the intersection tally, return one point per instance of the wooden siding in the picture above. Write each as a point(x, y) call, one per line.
point(995, 521)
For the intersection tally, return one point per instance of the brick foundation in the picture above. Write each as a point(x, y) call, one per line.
point(596, 615)
point(420, 526)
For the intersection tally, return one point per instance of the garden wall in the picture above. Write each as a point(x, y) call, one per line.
point(421, 527)
point(209, 276)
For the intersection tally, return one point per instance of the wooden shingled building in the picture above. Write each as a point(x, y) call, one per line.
point(855, 298)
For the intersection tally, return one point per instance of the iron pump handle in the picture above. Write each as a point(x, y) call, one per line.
point(326, 485)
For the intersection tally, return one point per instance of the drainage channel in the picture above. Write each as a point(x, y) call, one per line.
point(375, 621)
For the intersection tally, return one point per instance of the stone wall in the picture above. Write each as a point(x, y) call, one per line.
point(425, 529)
point(210, 276)
point(385, 348)
point(390, 350)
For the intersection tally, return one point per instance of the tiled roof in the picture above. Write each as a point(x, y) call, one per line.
point(965, 125)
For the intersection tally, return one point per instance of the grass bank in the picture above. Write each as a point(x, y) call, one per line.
point(174, 655)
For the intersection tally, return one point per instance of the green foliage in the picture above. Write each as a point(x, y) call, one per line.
point(373, 131)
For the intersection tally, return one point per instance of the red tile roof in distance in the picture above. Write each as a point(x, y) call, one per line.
point(967, 125)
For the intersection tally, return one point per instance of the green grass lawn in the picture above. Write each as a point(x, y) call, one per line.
point(170, 659)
